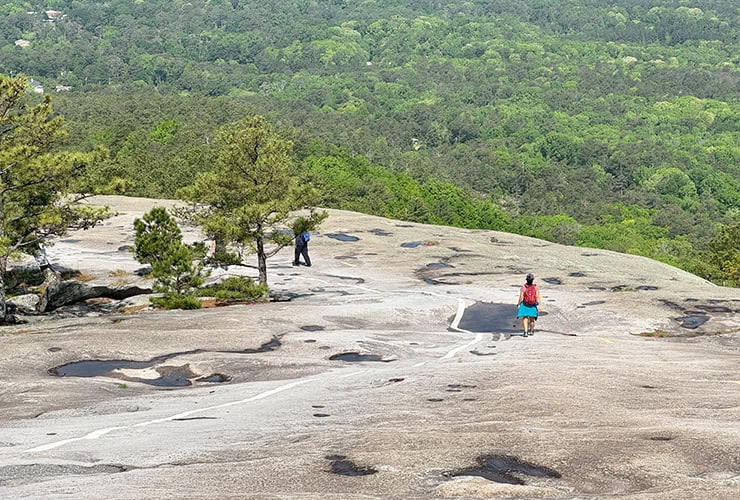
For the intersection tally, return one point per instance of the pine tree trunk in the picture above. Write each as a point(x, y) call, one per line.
point(3, 305)
point(262, 261)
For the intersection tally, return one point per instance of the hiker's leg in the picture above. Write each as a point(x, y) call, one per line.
point(525, 323)
point(297, 255)
point(304, 252)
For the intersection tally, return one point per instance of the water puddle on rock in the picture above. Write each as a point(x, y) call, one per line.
point(411, 244)
point(692, 321)
point(312, 328)
point(344, 467)
point(149, 372)
point(356, 357)
point(594, 303)
point(380, 232)
point(505, 469)
point(490, 317)
point(552, 281)
point(342, 237)
point(439, 265)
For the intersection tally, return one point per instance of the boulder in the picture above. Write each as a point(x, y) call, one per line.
point(26, 304)
point(60, 293)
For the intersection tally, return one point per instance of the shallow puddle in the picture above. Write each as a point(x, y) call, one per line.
point(552, 281)
point(490, 317)
point(356, 357)
point(342, 237)
point(693, 321)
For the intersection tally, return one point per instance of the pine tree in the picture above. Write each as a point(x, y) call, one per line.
point(250, 194)
point(40, 187)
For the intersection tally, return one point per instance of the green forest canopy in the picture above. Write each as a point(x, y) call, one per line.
point(612, 124)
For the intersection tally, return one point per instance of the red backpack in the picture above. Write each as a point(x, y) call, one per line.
point(530, 295)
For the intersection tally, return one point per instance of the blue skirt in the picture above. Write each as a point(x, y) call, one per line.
point(526, 311)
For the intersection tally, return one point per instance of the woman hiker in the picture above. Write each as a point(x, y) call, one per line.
point(529, 300)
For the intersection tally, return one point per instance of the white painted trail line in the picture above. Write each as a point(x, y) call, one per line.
point(101, 432)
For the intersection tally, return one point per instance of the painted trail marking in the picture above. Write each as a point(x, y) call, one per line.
point(607, 341)
point(101, 432)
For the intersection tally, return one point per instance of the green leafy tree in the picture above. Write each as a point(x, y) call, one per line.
point(251, 192)
point(40, 187)
point(176, 266)
point(724, 252)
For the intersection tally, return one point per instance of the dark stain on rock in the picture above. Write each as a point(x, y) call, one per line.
point(459, 250)
point(594, 303)
point(380, 232)
point(430, 281)
point(54, 349)
point(358, 281)
point(345, 257)
point(648, 387)
point(185, 419)
point(590, 254)
point(672, 305)
point(438, 265)
point(310, 341)
point(312, 328)
point(506, 469)
point(435, 400)
point(714, 309)
point(266, 347)
point(461, 386)
point(342, 237)
point(356, 357)
point(660, 438)
point(321, 415)
point(396, 379)
point(478, 353)
point(344, 467)
point(552, 281)
point(692, 321)
point(647, 287)
point(317, 406)
point(124, 248)
point(214, 378)
point(411, 244)
point(577, 274)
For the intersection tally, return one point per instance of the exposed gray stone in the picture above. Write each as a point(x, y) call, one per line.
point(70, 292)
point(26, 304)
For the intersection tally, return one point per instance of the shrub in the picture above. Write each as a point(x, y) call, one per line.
point(236, 288)
point(176, 301)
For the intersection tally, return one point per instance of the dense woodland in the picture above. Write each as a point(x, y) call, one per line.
point(604, 123)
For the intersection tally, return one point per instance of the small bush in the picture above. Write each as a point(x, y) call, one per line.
point(175, 301)
point(236, 288)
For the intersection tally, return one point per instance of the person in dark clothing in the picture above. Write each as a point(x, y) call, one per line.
point(301, 248)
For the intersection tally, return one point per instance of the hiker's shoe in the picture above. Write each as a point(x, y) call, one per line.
point(296, 263)
point(308, 265)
